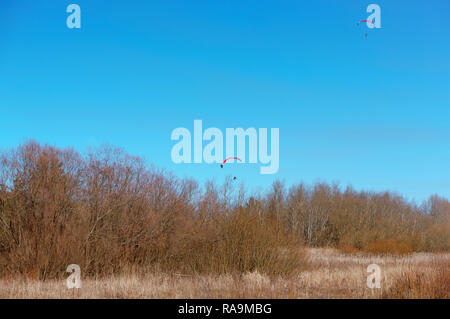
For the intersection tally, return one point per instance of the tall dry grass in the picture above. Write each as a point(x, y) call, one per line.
point(330, 274)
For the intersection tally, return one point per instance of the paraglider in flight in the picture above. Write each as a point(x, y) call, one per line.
point(229, 158)
point(367, 21)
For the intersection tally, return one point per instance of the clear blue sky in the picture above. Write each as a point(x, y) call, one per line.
point(373, 113)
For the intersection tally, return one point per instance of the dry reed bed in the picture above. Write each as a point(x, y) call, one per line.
point(330, 275)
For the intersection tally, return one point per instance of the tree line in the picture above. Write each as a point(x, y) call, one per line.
point(110, 212)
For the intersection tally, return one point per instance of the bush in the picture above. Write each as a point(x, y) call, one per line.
point(241, 242)
point(109, 214)
point(388, 246)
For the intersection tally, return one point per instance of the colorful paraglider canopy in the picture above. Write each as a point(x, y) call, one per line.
point(365, 21)
point(230, 158)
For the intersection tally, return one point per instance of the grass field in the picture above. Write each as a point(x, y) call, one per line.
point(330, 274)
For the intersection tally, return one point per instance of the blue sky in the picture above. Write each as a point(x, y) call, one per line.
point(372, 113)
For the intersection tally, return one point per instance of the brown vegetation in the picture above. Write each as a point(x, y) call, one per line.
point(330, 274)
point(109, 213)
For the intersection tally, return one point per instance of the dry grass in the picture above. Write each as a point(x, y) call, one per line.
point(330, 274)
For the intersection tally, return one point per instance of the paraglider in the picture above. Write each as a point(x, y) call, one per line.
point(229, 158)
point(366, 21)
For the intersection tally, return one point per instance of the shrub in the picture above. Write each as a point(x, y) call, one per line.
point(388, 246)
